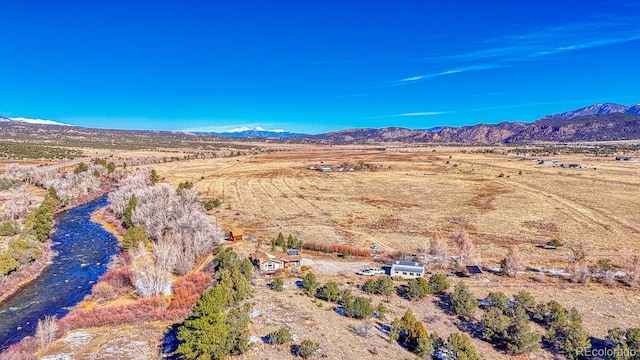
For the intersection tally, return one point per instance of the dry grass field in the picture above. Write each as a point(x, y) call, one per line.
point(425, 192)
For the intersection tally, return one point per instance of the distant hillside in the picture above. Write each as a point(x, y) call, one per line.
point(597, 109)
point(600, 122)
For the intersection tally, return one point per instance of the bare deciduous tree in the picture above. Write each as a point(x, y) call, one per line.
point(148, 279)
point(578, 261)
point(468, 255)
point(440, 249)
point(46, 331)
point(513, 262)
point(633, 277)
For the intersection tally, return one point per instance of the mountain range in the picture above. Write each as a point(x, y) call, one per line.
point(255, 132)
point(31, 121)
point(599, 122)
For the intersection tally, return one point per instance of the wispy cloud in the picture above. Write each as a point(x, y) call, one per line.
point(417, 78)
point(421, 113)
point(409, 114)
point(352, 95)
point(551, 40)
point(532, 45)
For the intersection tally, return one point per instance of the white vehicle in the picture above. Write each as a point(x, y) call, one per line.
point(371, 272)
point(366, 272)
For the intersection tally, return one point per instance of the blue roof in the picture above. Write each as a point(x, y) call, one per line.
point(407, 263)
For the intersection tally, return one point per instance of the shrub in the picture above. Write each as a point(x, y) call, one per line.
point(497, 299)
point(381, 310)
point(624, 343)
point(361, 308)
point(23, 251)
point(277, 284)
point(555, 242)
point(280, 336)
point(9, 228)
point(46, 331)
point(7, 263)
point(22, 350)
point(135, 235)
point(307, 348)
point(82, 167)
point(461, 346)
point(119, 279)
point(412, 332)
point(525, 299)
point(383, 285)
point(567, 336)
point(509, 328)
point(439, 283)
point(211, 203)
point(102, 291)
point(463, 302)
point(417, 289)
point(336, 249)
point(310, 283)
point(329, 292)
point(188, 290)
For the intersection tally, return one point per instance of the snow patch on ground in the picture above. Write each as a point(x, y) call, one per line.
point(58, 357)
point(78, 339)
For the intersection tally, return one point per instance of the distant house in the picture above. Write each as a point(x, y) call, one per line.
point(407, 269)
point(550, 162)
point(235, 234)
point(272, 261)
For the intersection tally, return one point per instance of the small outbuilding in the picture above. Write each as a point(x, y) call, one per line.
point(407, 269)
point(235, 234)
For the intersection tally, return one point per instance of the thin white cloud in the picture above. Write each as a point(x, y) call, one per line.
point(422, 113)
point(409, 114)
point(414, 79)
point(352, 95)
point(551, 40)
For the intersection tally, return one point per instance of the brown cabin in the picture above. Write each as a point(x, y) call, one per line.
point(272, 261)
point(235, 234)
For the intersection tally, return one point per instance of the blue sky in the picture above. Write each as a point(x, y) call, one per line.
point(313, 66)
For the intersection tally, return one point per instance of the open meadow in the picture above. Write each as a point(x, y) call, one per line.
point(400, 199)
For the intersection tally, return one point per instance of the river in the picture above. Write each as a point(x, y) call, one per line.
point(84, 248)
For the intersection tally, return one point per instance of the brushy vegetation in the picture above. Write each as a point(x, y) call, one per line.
point(280, 336)
point(336, 249)
point(31, 150)
point(413, 333)
point(383, 285)
point(28, 246)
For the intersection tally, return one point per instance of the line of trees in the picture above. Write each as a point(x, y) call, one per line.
point(219, 323)
point(27, 246)
point(167, 231)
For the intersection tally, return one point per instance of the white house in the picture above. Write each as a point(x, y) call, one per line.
point(407, 269)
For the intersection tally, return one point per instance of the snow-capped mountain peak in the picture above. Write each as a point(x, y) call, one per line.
point(257, 128)
point(34, 121)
